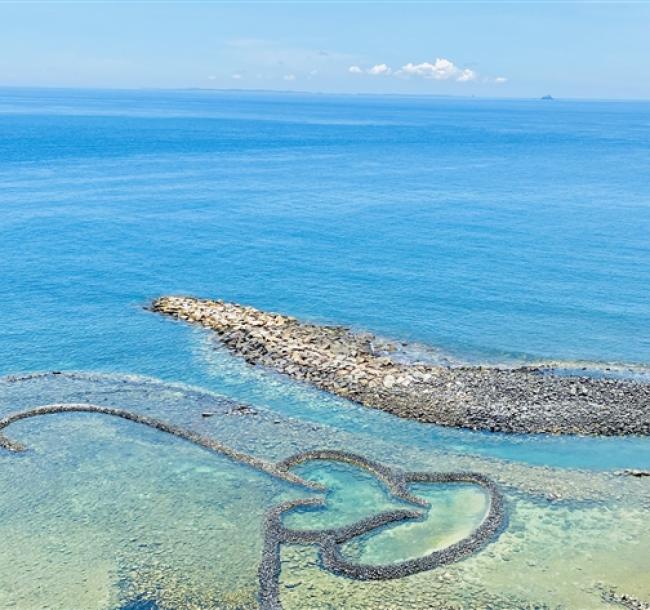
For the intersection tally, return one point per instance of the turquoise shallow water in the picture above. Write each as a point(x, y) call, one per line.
point(498, 231)
point(101, 513)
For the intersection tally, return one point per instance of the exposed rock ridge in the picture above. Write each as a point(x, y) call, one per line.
point(358, 366)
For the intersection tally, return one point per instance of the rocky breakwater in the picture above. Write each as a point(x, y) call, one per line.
point(351, 365)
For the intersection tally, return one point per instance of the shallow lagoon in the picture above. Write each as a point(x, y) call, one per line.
point(99, 513)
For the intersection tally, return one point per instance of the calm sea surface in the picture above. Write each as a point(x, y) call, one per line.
point(486, 231)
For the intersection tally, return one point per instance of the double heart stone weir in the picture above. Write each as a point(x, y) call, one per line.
point(329, 541)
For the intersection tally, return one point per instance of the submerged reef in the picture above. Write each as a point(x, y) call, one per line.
point(624, 600)
point(363, 368)
point(328, 541)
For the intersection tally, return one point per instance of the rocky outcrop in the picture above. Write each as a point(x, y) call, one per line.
point(360, 367)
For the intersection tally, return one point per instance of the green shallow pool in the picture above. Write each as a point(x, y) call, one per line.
point(455, 511)
point(101, 514)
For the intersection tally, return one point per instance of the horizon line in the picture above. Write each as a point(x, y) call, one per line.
point(329, 93)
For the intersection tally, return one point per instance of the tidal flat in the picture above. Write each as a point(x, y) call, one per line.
point(130, 515)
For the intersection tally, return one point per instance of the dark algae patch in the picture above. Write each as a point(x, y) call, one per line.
point(139, 604)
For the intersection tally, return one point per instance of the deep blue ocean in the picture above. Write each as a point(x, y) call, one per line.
point(488, 230)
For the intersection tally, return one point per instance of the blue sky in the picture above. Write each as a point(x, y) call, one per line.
point(518, 49)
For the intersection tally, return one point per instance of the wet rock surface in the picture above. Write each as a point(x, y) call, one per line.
point(359, 367)
point(623, 600)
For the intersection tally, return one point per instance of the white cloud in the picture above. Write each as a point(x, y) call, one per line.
point(289, 77)
point(466, 76)
point(441, 69)
point(236, 77)
point(379, 69)
point(212, 77)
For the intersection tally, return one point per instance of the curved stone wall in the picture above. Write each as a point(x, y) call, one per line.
point(329, 541)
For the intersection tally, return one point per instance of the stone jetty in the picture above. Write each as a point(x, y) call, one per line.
point(364, 368)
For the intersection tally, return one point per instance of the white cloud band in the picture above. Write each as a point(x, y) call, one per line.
point(440, 69)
